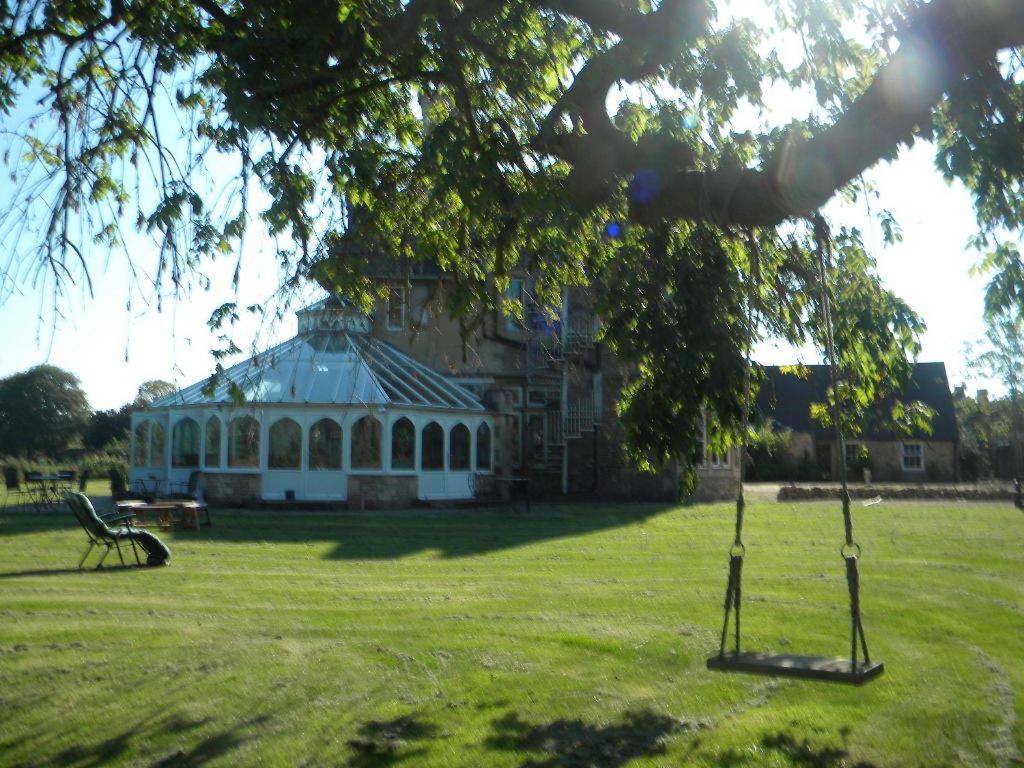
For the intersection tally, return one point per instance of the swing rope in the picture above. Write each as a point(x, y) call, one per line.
point(850, 550)
point(734, 589)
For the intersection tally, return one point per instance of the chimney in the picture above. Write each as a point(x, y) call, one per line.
point(982, 396)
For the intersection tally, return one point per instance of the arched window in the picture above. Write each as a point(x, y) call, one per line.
point(244, 442)
point(366, 448)
point(285, 445)
point(483, 447)
point(141, 456)
point(212, 450)
point(403, 445)
point(157, 435)
point(185, 444)
point(458, 448)
point(325, 445)
point(433, 446)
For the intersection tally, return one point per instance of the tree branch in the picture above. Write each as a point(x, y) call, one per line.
point(945, 41)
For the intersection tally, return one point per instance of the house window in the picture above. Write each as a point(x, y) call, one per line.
point(433, 446)
point(483, 447)
point(514, 296)
point(325, 445)
point(403, 445)
point(244, 442)
point(913, 457)
point(141, 456)
point(719, 460)
point(185, 444)
point(285, 445)
point(458, 450)
point(700, 457)
point(156, 445)
point(852, 452)
point(366, 448)
point(515, 439)
point(419, 305)
point(211, 453)
point(536, 431)
point(396, 308)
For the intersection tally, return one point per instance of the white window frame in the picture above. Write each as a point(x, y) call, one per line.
point(903, 457)
point(394, 290)
point(720, 461)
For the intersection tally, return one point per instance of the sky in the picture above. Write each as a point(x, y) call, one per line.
point(116, 338)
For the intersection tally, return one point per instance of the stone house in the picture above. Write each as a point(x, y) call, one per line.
point(785, 400)
point(403, 405)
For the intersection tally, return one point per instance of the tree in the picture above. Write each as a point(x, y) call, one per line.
point(107, 426)
point(1002, 358)
point(41, 411)
point(478, 134)
point(151, 391)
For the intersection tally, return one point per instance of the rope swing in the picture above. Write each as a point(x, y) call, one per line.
point(830, 669)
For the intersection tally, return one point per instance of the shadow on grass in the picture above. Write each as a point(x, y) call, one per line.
point(798, 751)
point(453, 532)
point(206, 748)
point(380, 743)
point(574, 743)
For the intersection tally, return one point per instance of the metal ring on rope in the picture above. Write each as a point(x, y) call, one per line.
point(850, 549)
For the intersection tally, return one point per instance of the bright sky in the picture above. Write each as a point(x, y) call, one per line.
point(113, 348)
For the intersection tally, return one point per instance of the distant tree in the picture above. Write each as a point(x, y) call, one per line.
point(107, 426)
point(41, 411)
point(151, 391)
point(1001, 357)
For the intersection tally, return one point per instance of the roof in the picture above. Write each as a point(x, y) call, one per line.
point(786, 398)
point(328, 363)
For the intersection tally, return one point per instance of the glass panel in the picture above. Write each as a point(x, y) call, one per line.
point(157, 436)
point(403, 445)
point(285, 445)
point(433, 446)
point(483, 447)
point(244, 442)
point(325, 445)
point(458, 452)
point(366, 452)
point(185, 444)
point(141, 444)
point(212, 452)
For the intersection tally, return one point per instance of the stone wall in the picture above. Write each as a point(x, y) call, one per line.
point(231, 487)
point(382, 491)
point(886, 459)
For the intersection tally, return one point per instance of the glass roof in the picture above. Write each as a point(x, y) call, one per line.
point(330, 363)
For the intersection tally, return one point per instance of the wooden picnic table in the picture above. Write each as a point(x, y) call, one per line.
point(167, 512)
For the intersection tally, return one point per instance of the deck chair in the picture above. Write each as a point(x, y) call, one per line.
point(101, 534)
point(12, 483)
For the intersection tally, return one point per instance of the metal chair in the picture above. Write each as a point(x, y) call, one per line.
point(12, 483)
point(193, 491)
point(98, 529)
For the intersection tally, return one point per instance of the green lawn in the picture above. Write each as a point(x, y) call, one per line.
point(573, 636)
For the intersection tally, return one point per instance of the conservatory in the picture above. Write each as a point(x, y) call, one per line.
point(332, 414)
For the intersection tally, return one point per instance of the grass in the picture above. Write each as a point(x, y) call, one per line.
point(572, 636)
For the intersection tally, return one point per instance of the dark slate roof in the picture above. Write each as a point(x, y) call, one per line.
point(786, 399)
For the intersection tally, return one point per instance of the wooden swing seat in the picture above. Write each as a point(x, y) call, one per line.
point(806, 667)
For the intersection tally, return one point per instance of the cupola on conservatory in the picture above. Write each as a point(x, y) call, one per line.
point(331, 414)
